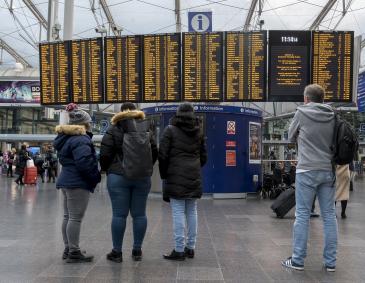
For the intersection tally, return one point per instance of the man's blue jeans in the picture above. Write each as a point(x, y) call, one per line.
point(308, 184)
point(184, 210)
point(128, 195)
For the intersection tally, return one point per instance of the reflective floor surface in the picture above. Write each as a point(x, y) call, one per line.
point(239, 241)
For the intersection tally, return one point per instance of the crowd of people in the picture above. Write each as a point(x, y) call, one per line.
point(129, 151)
point(47, 164)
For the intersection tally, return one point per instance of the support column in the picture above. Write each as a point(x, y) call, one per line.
point(177, 16)
point(68, 20)
point(50, 20)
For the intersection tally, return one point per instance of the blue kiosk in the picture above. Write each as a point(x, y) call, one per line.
point(234, 145)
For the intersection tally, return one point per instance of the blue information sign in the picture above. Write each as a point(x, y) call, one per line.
point(361, 92)
point(200, 21)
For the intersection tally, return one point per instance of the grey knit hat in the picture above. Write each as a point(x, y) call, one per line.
point(185, 109)
point(77, 116)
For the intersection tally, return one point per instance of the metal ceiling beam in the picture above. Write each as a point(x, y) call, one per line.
point(250, 14)
point(116, 30)
point(14, 54)
point(322, 14)
point(33, 8)
point(344, 11)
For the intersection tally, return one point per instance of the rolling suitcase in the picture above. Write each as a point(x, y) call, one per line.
point(284, 203)
point(30, 175)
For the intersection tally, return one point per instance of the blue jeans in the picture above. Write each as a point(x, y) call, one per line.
point(184, 210)
point(308, 184)
point(128, 195)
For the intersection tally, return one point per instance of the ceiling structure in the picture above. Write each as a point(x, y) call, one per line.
point(24, 22)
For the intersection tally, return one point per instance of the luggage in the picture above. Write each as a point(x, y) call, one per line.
point(30, 175)
point(284, 203)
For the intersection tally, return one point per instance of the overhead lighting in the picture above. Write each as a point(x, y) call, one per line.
point(18, 67)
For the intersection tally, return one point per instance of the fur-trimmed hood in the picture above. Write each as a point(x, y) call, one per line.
point(71, 130)
point(128, 114)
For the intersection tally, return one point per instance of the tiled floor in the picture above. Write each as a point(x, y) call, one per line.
point(239, 241)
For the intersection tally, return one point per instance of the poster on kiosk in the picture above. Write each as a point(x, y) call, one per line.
point(254, 136)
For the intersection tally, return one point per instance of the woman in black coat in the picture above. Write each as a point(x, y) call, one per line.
point(21, 163)
point(182, 153)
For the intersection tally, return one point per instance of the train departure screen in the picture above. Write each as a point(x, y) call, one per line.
point(203, 66)
point(54, 73)
point(332, 63)
point(123, 69)
point(245, 66)
point(87, 71)
point(161, 68)
point(288, 64)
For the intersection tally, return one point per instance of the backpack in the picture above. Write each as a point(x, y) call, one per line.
point(345, 143)
point(137, 154)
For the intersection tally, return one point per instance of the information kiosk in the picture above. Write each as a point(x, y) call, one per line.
point(234, 142)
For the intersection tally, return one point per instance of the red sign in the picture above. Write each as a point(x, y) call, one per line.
point(230, 143)
point(230, 158)
point(231, 127)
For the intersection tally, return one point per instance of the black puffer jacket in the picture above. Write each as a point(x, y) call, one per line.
point(111, 152)
point(182, 153)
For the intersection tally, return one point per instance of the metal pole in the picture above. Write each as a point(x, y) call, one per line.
point(177, 16)
point(50, 20)
point(68, 20)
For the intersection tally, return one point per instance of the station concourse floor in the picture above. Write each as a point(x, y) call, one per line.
point(238, 241)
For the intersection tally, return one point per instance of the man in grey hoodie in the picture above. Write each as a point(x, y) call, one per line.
point(312, 128)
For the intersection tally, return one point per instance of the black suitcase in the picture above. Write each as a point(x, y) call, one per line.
point(284, 203)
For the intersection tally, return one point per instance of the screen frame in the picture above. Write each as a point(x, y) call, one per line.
point(264, 99)
point(272, 36)
point(66, 42)
point(139, 99)
point(221, 96)
point(180, 68)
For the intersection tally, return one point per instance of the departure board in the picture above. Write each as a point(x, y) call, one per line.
point(162, 68)
point(203, 66)
point(289, 59)
point(87, 71)
point(332, 62)
point(245, 63)
point(54, 73)
point(123, 78)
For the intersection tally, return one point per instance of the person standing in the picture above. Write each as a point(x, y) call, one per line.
point(313, 128)
point(10, 163)
point(39, 162)
point(128, 152)
point(21, 163)
point(343, 187)
point(49, 161)
point(78, 178)
point(182, 153)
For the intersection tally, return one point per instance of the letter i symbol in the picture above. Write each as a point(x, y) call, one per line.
point(200, 22)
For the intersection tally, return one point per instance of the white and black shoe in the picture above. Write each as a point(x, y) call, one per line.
point(290, 264)
point(330, 268)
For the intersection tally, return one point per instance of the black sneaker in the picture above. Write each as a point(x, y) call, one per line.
point(115, 256)
point(290, 264)
point(65, 253)
point(137, 255)
point(343, 215)
point(189, 253)
point(78, 256)
point(174, 255)
point(330, 268)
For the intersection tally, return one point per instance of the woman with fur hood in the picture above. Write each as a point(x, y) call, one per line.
point(79, 177)
point(127, 194)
